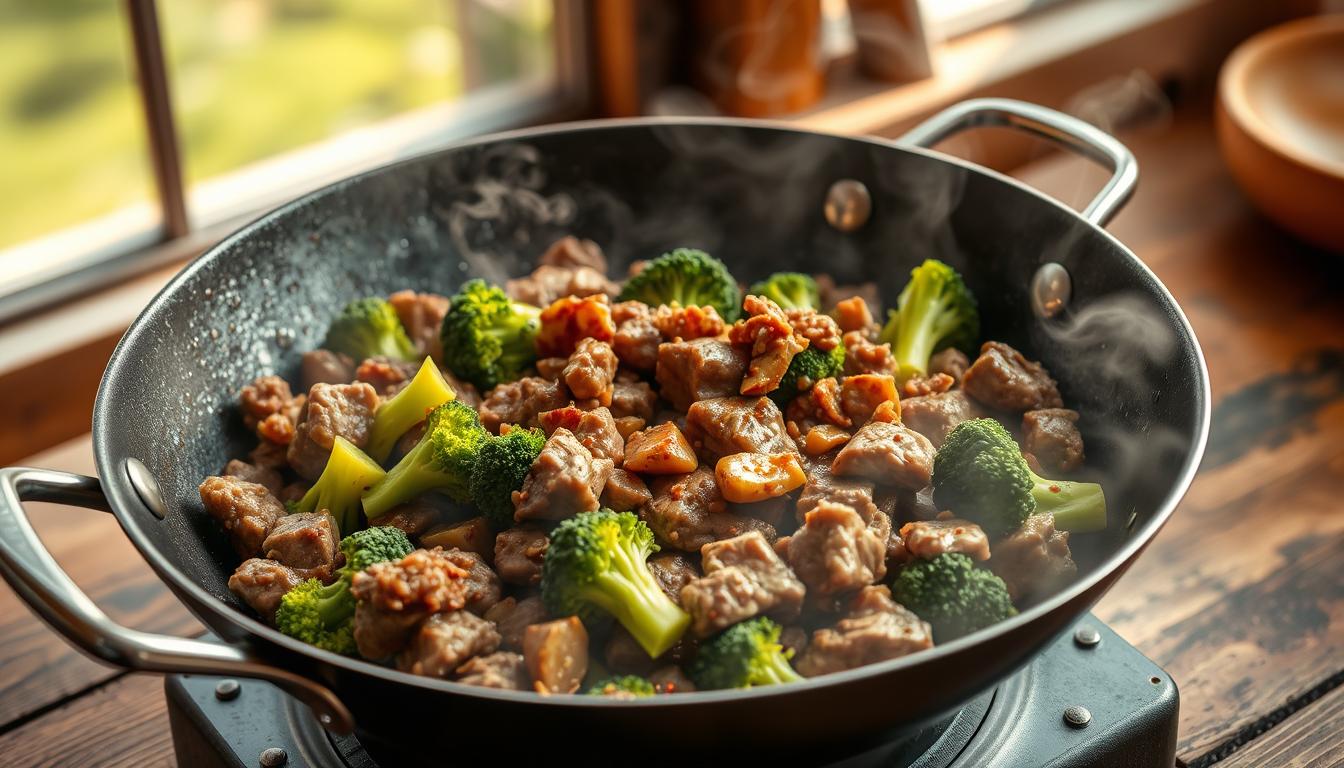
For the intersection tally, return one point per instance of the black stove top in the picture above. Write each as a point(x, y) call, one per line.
point(1090, 699)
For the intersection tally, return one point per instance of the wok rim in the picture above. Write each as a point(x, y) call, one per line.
point(121, 497)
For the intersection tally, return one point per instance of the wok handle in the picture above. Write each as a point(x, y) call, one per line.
point(1081, 137)
point(30, 569)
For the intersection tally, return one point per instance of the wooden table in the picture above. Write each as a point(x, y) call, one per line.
point(1240, 598)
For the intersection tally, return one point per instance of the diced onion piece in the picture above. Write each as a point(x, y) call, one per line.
point(823, 438)
point(747, 477)
point(660, 450)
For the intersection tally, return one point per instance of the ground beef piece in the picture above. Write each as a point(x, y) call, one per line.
point(265, 397)
point(548, 283)
point(672, 571)
point(935, 416)
point(625, 492)
point(862, 355)
point(951, 361)
point(252, 473)
point(421, 314)
point(686, 323)
point(594, 429)
point(875, 628)
point(1052, 436)
point(590, 371)
point(269, 455)
point(918, 386)
point(306, 542)
point(519, 553)
point(394, 597)
point(660, 450)
point(385, 375)
point(483, 585)
point(293, 492)
point(698, 370)
point(552, 368)
point(928, 539)
point(820, 404)
point(332, 410)
point(513, 616)
point(261, 584)
point(503, 669)
point(835, 551)
point(520, 402)
point(726, 425)
point(743, 578)
point(769, 336)
point(887, 454)
point(445, 642)
point(567, 322)
point(671, 679)
point(569, 251)
point(413, 518)
point(556, 654)
point(861, 395)
point(1034, 560)
point(688, 512)
point(246, 511)
point(564, 480)
point(820, 330)
point(1003, 379)
point(322, 366)
point(852, 314)
point(633, 399)
point(637, 339)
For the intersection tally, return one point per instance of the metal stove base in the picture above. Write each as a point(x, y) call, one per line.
point(1076, 705)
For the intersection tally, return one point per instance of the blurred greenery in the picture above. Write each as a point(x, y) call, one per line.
point(249, 78)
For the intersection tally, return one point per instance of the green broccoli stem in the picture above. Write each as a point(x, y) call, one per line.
point(629, 592)
point(774, 669)
point(411, 477)
point(335, 605)
point(427, 391)
point(345, 477)
point(516, 339)
point(1077, 507)
point(922, 325)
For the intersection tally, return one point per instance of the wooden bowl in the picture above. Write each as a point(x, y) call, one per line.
point(1281, 125)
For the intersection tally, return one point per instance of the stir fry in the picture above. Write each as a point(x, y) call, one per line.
point(568, 485)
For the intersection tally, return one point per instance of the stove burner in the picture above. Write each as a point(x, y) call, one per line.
point(1082, 702)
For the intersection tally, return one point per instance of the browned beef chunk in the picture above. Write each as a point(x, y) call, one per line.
point(246, 511)
point(698, 370)
point(519, 553)
point(590, 371)
point(823, 486)
point(637, 339)
point(421, 314)
point(625, 492)
point(394, 597)
point(1003, 379)
point(483, 585)
point(743, 578)
point(520, 402)
point(552, 368)
point(875, 628)
point(928, 539)
point(322, 366)
point(413, 518)
point(836, 551)
point(269, 455)
point(660, 450)
point(556, 654)
point(332, 410)
point(688, 512)
point(950, 361)
point(633, 399)
point(252, 473)
point(261, 584)
point(623, 654)
point(570, 251)
point(306, 542)
point(548, 283)
point(445, 641)
point(265, 397)
point(672, 571)
point(671, 679)
point(379, 634)
point(501, 669)
point(1052, 436)
point(1034, 560)
point(513, 616)
point(564, 480)
point(935, 416)
point(887, 454)
point(794, 638)
point(594, 429)
point(293, 491)
point(385, 375)
point(772, 341)
point(726, 425)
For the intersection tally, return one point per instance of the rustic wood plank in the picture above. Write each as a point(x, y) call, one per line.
point(37, 667)
point(124, 723)
point(1309, 737)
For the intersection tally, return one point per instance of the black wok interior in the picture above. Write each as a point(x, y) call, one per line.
point(752, 196)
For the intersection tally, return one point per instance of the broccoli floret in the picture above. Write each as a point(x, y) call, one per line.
point(807, 368)
point(687, 277)
point(742, 656)
point(369, 328)
point(441, 461)
point(595, 566)
point(980, 475)
point(487, 337)
point(934, 311)
point(790, 290)
point(500, 468)
point(954, 596)
point(348, 475)
point(427, 391)
point(624, 686)
point(323, 614)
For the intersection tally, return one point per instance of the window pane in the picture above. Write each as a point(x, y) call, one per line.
point(72, 134)
point(253, 79)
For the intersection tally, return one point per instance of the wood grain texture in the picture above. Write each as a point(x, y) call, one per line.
point(1309, 738)
point(124, 723)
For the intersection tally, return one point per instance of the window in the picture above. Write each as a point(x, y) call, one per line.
point(259, 101)
point(946, 19)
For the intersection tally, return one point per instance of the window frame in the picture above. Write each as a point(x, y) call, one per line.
point(120, 245)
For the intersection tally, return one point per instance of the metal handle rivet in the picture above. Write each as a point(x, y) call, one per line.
point(146, 487)
point(848, 205)
point(1051, 289)
point(1087, 637)
point(273, 757)
point(227, 690)
point(1077, 717)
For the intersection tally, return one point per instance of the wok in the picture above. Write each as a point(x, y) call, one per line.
point(753, 194)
